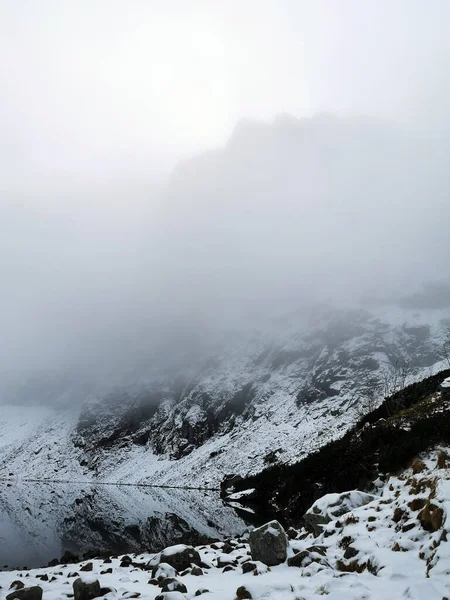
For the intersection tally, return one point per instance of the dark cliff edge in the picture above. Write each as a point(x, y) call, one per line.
point(384, 441)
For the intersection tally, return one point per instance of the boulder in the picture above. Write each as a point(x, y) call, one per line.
point(180, 557)
point(87, 567)
point(269, 544)
point(331, 507)
point(169, 584)
point(87, 589)
point(26, 593)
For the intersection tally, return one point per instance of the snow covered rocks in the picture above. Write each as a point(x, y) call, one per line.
point(86, 589)
point(26, 593)
point(269, 544)
point(180, 557)
point(332, 506)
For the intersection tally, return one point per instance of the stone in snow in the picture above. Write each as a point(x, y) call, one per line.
point(331, 507)
point(86, 590)
point(269, 544)
point(26, 593)
point(180, 557)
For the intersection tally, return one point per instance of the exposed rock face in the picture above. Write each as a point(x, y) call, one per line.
point(269, 544)
point(27, 593)
point(86, 590)
point(333, 506)
point(180, 557)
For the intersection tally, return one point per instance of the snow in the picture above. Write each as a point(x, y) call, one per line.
point(37, 442)
point(332, 505)
point(242, 494)
point(446, 383)
point(410, 563)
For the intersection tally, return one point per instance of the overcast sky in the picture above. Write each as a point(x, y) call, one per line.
point(102, 88)
point(101, 99)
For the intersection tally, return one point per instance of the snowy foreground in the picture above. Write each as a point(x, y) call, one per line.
point(391, 546)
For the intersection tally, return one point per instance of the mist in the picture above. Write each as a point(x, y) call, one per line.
point(174, 170)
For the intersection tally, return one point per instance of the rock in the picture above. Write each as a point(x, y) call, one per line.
point(350, 552)
point(228, 568)
point(169, 584)
point(301, 559)
point(180, 557)
point(322, 550)
point(17, 585)
point(69, 557)
point(227, 548)
point(162, 571)
point(106, 571)
point(43, 577)
point(53, 562)
point(269, 543)
point(202, 591)
point(197, 571)
point(86, 590)
point(242, 593)
point(248, 567)
point(26, 593)
point(107, 561)
point(331, 507)
point(87, 567)
point(108, 590)
point(75, 574)
point(291, 533)
point(223, 560)
point(170, 596)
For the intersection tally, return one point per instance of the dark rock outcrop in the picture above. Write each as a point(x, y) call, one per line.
point(269, 543)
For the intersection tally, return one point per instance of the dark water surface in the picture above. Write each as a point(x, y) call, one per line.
point(39, 521)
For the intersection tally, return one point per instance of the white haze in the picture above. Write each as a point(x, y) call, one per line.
point(135, 212)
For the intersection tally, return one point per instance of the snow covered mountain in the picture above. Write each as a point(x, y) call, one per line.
point(270, 394)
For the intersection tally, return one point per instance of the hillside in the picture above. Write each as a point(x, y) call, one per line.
point(386, 441)
point(263, 396)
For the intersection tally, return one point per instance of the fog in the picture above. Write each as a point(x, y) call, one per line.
point(174, 169)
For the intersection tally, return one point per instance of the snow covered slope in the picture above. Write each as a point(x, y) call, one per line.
point(270, 394)
point(395, 546)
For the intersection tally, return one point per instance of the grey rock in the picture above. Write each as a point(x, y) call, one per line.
point(86, 591)
point(242, 593)
point(181, 559)
point(169, 584)
point(26, 593)
point(269, 544)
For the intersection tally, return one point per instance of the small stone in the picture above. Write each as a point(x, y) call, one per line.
point(172, 585)
point(248, 567)
point(87, 567)
point(242, 593)
point(17, 585)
